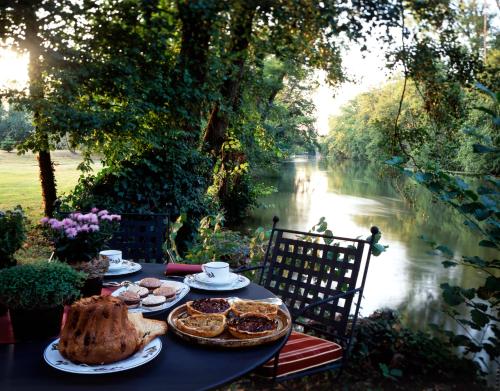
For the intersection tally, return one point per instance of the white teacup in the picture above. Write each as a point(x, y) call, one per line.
point(114, 257)
point(216, 271)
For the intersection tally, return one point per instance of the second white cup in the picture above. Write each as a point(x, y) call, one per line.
point(216, 271)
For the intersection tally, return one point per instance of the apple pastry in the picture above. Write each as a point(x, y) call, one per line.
point(202, 325)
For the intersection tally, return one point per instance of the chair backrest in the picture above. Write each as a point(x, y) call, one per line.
point(141, 237)
point(303, 268)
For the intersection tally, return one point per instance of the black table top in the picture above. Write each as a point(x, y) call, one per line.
point(179, 366)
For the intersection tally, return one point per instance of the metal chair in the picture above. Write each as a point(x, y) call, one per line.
point(141, 237)
point(322, 285)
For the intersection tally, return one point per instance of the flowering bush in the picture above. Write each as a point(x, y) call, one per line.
point(79, 237)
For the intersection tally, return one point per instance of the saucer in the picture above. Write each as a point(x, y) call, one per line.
point(238, 283)
point(128, 267)
point(204, 279)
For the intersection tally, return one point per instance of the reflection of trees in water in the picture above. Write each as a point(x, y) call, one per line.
point(402, 225)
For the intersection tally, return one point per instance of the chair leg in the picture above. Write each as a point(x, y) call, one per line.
point(275, 366)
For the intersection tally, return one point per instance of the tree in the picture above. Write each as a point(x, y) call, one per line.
point(37, 28)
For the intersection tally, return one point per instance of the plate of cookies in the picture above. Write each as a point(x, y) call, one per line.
point(227, 323)
point(151, 295)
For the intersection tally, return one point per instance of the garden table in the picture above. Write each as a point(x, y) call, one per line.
point(179, 366)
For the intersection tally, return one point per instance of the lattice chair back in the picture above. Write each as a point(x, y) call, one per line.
point(308, 269)
point(141, 237)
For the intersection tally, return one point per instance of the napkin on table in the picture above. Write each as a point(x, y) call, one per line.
point(181, 269)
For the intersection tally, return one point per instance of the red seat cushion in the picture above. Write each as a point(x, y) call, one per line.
point(302, 352)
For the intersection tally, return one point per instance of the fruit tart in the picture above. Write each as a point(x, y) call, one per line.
point(204, 325)
point(208, 306)
point(252, 325)
point(241, 307)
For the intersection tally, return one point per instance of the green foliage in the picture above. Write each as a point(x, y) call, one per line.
point(39, 285)
point(15, 127)
point(12, 235)
point(215, 243)
point(387, 352)
point(479, 206)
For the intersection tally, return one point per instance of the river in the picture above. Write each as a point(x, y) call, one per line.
point(353, 196)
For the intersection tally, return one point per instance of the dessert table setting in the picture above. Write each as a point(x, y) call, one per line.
point(220, 327)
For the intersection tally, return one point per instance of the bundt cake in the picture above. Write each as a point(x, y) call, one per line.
point(98, 331)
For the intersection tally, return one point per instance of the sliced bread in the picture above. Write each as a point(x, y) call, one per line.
point(147, 329)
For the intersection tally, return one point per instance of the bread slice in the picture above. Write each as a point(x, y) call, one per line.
point(205, 325)
point(147, 329)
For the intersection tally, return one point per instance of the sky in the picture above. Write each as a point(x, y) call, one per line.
point(366, 69)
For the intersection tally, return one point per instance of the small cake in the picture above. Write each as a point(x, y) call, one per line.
point(167, 291)
point(141, 291)
point(241, 307)
point(131, 299)
point(206, 325)
point(151, 283)
point(153, 302)
point(208, 306)
point(251, 325)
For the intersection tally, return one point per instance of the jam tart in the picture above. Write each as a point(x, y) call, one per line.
point(252, 325)
point(208, 306)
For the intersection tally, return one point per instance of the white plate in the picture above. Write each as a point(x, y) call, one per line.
point(204, 279)
point(128, 268)
point(238, 283)
point(56, 360)
point(181, 288)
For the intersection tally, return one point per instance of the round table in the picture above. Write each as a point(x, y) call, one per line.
point(179, 366)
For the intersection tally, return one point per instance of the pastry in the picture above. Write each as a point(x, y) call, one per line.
point(208, 306)
point(151, 283)
point(147, 329)
point(131, 299)
point(241, 307)
point(252, 325)
point(153, 302)
point(205, 325)
point(141, 291)
point(167, 291)
point(98, 331)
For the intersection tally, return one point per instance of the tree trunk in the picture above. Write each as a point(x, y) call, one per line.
point(34, 45)
point(197, 21)
point(241, 31)
point(48, 182)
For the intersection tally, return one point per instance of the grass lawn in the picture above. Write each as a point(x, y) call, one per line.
point(20, 185)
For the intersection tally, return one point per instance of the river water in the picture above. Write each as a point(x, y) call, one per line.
point(353, 196)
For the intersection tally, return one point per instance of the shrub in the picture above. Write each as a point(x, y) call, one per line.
point(39, 285)
point(12, 235)
point(386, 351)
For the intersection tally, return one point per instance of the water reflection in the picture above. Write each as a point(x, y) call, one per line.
point(353, 197)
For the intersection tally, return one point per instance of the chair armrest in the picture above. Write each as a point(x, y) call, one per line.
point(325, 300)
point(248, 268)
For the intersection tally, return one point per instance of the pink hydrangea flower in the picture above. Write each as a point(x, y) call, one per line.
point(102, 213)
point(94, 210)
point(44, 220)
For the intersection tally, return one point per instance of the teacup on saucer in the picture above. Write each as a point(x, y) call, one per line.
point(114, 257)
